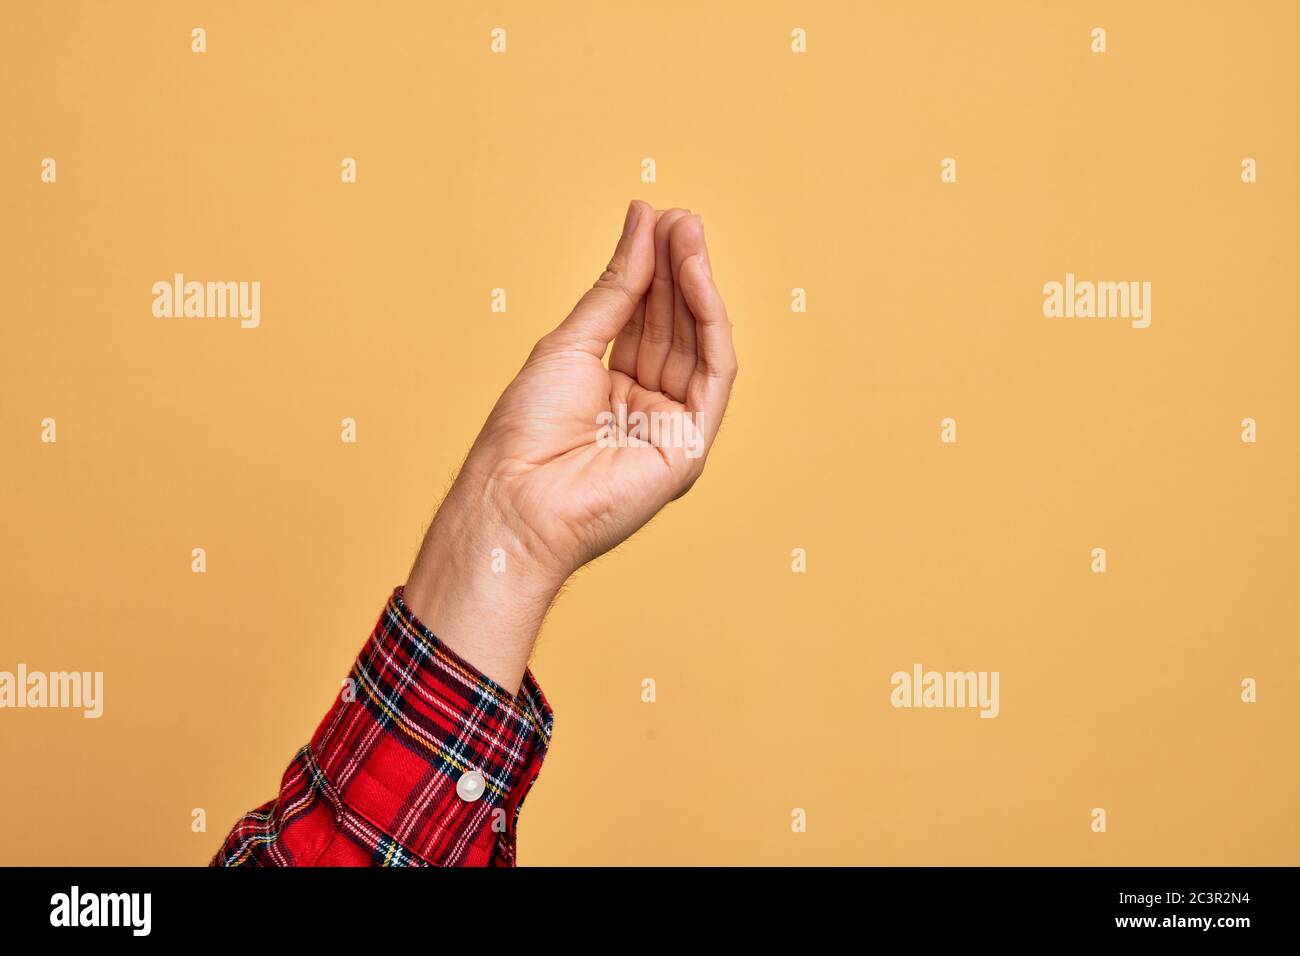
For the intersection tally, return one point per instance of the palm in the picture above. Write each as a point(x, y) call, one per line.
point(562, 483)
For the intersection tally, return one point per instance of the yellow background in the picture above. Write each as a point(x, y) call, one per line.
point(818, 171)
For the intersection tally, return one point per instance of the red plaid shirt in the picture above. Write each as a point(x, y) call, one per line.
point(422, 761)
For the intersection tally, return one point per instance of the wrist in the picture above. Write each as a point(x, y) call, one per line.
point(478, 586)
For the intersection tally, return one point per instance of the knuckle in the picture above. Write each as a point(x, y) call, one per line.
point(547, 343)
point(615, 281)
point(726, 370)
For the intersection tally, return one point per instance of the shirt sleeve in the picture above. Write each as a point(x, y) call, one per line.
point(422, 761)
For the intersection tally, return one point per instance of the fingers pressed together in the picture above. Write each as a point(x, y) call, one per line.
point(658, 303)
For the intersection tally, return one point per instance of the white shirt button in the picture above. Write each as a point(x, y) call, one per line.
point(470, 786)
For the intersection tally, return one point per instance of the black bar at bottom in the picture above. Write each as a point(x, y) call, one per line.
point(511, 908)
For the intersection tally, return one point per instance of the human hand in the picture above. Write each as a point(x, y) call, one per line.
point(556, 477)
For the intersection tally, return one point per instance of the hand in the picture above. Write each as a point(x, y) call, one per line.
point(553, 479)
point(560, 481)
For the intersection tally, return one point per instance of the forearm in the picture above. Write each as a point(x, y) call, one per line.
point(478, 586)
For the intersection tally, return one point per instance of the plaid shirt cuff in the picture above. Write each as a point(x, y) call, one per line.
point(378, 783)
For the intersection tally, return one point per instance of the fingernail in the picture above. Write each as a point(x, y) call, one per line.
point(633, 215)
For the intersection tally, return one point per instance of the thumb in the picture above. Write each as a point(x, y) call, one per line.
point(618, 293)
